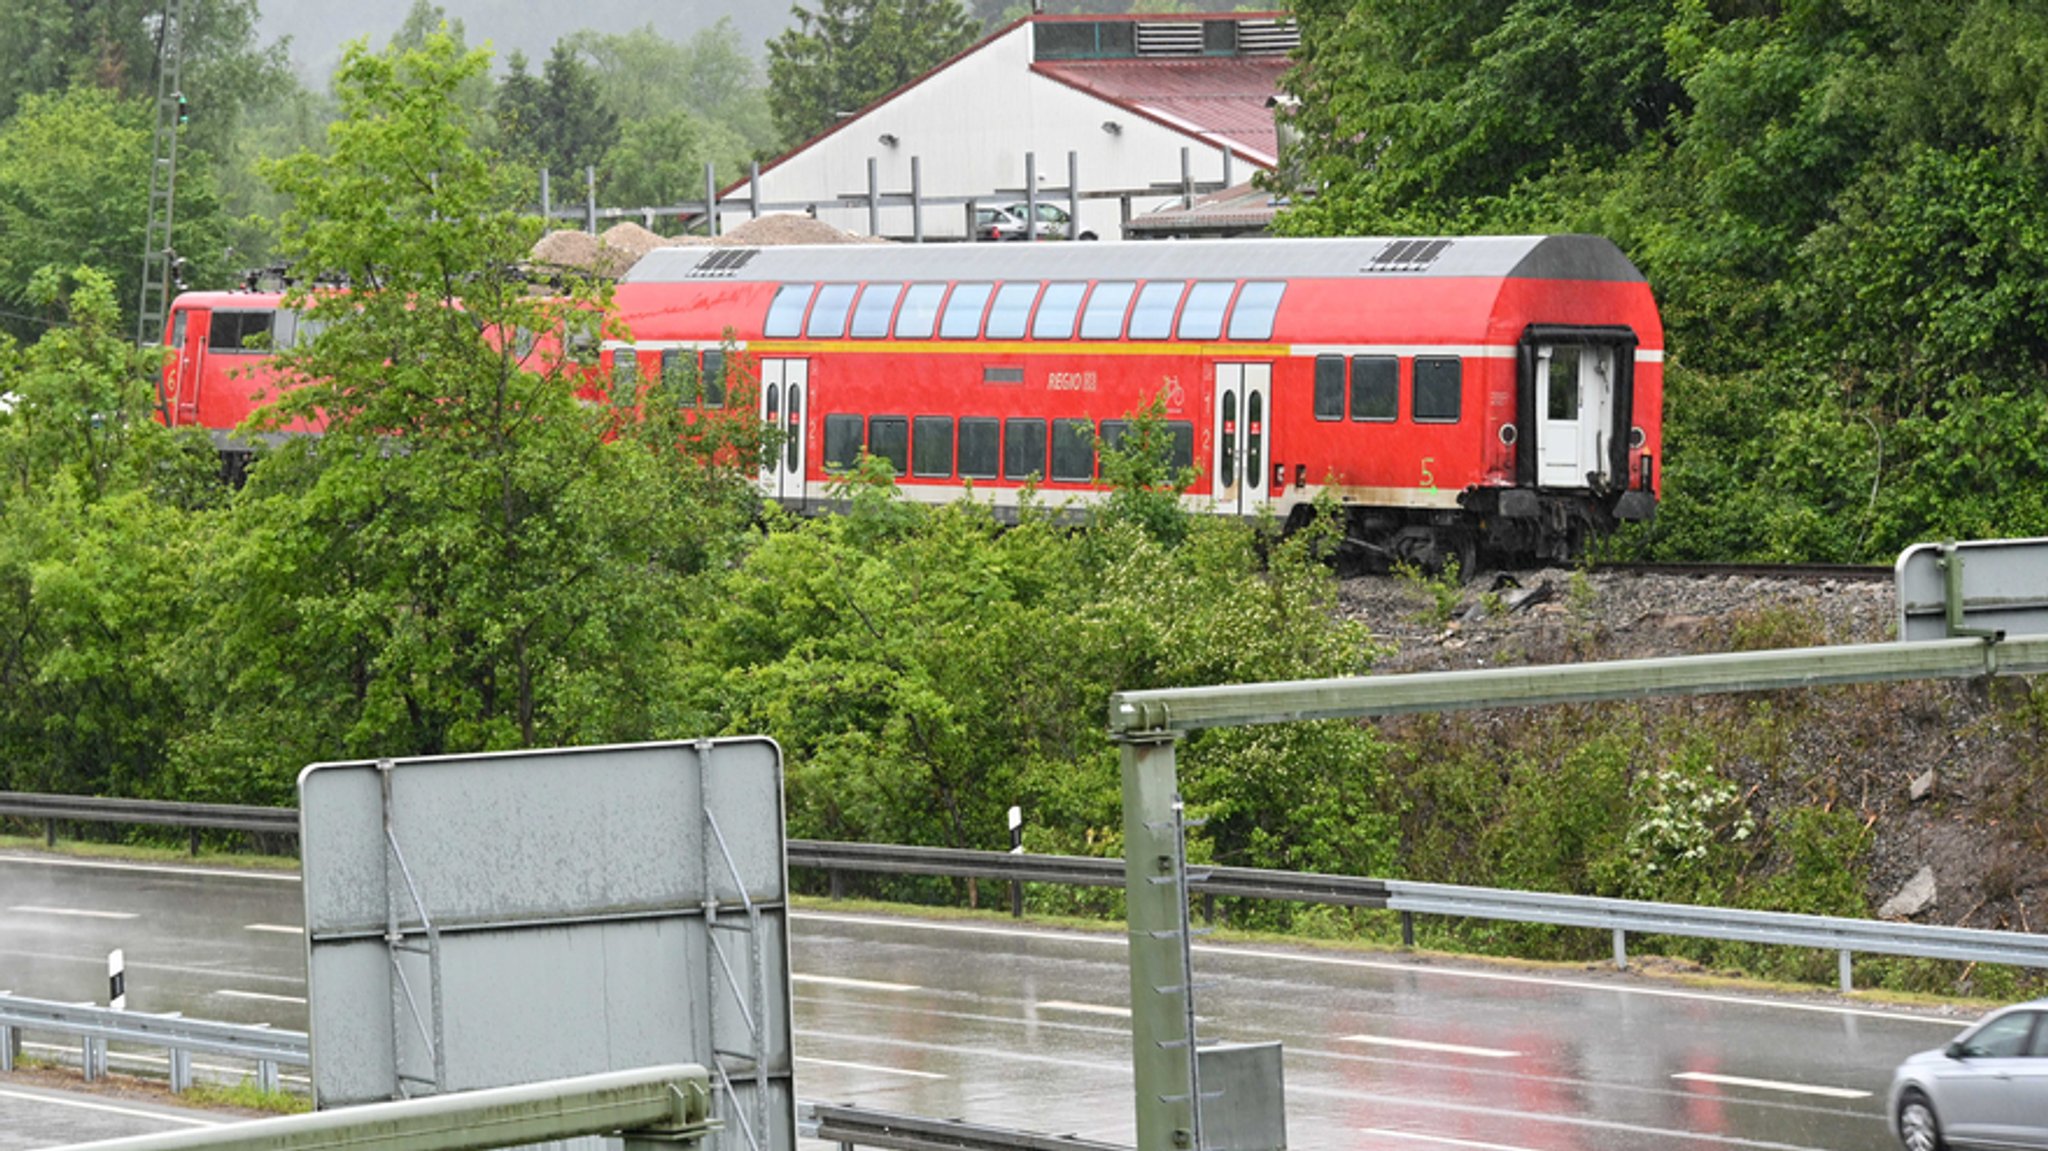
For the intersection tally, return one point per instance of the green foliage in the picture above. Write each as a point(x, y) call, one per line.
point(846, 53)
point(558, 121)
point(97, 548)
point(74, 189)
point(472, 557)
point(1145, 488)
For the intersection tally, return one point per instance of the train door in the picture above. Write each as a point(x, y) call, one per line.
point(190, 328)
point(1244, 396)
point(785, 388)
point(1575, 385)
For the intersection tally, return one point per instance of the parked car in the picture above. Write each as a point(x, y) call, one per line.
point(1988, 1088)
point(1007, 222)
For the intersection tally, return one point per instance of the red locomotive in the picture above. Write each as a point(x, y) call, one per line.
point(1456, 396)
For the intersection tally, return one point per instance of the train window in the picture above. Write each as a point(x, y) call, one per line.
point(962, 320)
point(931, 446)
point(1252, 318)
point(1564, 384)
point(712, 378)
point(1202, 318)
point(625, 370)
point(178, 329)
point(828, 315)
point(1329, 387)
point(980, 447)
point(283, 329)
point(919, 312)
point(889, 439)
point(1182, 433)
point(1375, 387)
point(1023, 449)
point(240, 332)
point(1073, 451)
point(871, 315)
point(1439, 381)
point(1056, 311)
point(1012, 307)
point(1152, 318)
point(842, 442)
point(676, 365)
point(786, 314)
point(1104, 319)
point(1180, 436)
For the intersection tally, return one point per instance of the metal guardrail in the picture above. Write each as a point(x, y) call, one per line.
point(95, 1027)
point(859, 1127)
point(1623, 917)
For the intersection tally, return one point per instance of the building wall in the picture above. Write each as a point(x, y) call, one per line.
point(970, 125)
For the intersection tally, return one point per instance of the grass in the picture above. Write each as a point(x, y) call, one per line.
point(248, 1097)
point(148, 853)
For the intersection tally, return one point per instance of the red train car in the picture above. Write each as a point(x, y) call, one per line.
point(1496, 395)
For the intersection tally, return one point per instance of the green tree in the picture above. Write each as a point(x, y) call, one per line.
point(74, 189)
point(99, 533)
point(643, 77)
point(848, 53)
point(560, 121)
point(473, 556)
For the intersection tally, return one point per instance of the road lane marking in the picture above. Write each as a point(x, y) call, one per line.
point(871, 1067)
point(1439, 1140)
point(279, 928)
point(863, 984)
point(78, 912)
point(61, 1101)
point(1426, 1045)
point(1087, 1008)
point(260, 995)
point(153, 869)
point(1773, 1085)
point(1418, 970)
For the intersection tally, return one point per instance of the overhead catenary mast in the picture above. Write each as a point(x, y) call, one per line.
point(159, 258)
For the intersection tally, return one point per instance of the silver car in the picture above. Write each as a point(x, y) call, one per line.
point(1989, 1088)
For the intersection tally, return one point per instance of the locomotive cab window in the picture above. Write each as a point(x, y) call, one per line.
point(1152, 318)
point(240, 332)
point(871, 315)
point(1329, 393)
point(1252, 318)
point(1439, 383)
point(1104, 319)
point(1073, 451)
point(1057, 310)
point(178, 329)
point(1023, 449)
point(1375, 387)
point(828, 315)
point(889, 439)
point(980, 447)
point(1202, 318)
point(842, 442)
point(786, 314)
point(919, 312)
point(931, 446)
point(962, 320)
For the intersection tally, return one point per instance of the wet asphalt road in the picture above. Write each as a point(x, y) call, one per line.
point(1010, 1026)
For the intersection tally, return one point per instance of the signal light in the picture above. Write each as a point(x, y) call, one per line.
point(184, 110)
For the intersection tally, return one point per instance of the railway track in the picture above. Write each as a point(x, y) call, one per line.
point(1857, 572)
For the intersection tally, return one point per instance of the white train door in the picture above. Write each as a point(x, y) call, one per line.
point(784, 392)
point(1242, 436)
point(1574, 414)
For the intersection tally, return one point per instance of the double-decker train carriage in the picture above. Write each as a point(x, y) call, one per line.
point(1456, 397)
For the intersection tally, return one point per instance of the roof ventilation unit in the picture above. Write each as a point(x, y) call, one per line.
point(723, 263)
point(1407, 256)
point(1267, 37)
point(1178, 38)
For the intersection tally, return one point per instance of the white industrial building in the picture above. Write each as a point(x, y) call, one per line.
point(1134, 108)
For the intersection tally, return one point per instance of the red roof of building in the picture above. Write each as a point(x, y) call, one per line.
point(1224, 98)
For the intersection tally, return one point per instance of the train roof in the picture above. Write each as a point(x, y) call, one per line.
point(1561, 257)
